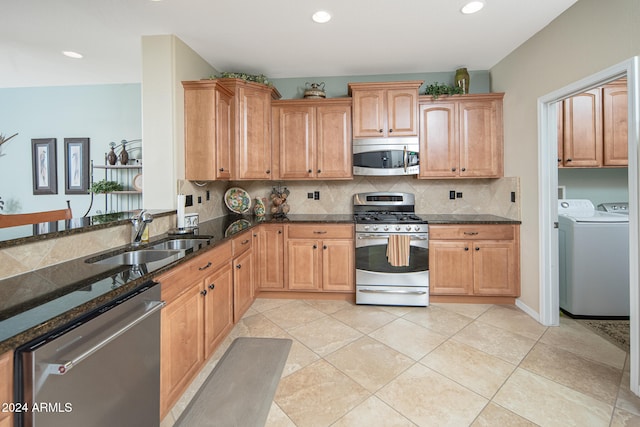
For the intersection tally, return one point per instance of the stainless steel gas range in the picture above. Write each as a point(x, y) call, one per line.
point(392, 250)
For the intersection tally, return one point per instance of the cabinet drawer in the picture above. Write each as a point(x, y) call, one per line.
point(179, 279)
point(472, 232)
point(320, 231)
point(241, 243)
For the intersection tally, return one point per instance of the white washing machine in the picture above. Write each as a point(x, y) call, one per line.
point(594, 260)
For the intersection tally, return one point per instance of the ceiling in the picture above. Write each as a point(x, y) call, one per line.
point(272, 37)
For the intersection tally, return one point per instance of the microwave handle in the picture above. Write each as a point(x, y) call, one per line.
point(405, 159)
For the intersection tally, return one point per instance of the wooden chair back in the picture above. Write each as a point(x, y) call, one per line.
point(13, 220)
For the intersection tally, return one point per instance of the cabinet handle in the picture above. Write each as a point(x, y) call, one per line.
point(471, 233)
point(453, 169)
point(309, 171)
point(477, 248)
point(324, 247)
point(239, 266)
point(319, 232)
point(466, 249)
point(211, 286)
point(315, 246)
point(244, 242)
point(390, 130)
point(380, 131)
point(268, 171)
point(559, 160)
point(463, 169)
point(569, 160)
point(205, 267)
point(203, 292)
point(221, 169)
point(279, 231)
point(319, 170)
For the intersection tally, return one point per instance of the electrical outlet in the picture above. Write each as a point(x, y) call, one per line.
point(188, 200)
point(316, 195)
point(199, 199)
point(452, 194)
point(208, 196)
point(309, 195)
point(459, 195)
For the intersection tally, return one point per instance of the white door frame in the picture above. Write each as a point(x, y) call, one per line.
point(548, 196)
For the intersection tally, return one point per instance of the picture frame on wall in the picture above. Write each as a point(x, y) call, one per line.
point(76, 165)
point(45, 172)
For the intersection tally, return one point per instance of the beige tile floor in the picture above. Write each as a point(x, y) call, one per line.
point(445, 365)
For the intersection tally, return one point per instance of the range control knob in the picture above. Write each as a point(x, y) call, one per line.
point(375, 228)
point(417, 228)
point(366, 227)
point(409, 228)
point(397, 228)
point(386, 228)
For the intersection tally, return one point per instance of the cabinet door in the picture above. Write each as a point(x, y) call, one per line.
point(480, 136)
point(182, 352)
point(218, 308)
point(438, 141)
point(6, 387)
point(560, 134)
point(369, 114)
point(303, 264)
point(495, 268)
point(200, 133)
point(583, 130)
point(402, 116)
point(270, 257)
point(615, 124)
point(296, 130)
point(242, 284)
point(338, 265)
point(253, 144)
point(333, 136)
point(223, 137)
point(450, 268)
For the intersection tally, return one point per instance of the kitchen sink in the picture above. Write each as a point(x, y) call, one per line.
point(181, 244)
point(142, 256)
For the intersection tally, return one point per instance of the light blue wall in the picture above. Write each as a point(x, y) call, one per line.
point(102, 113)
point(599, 185)
point(336, 87)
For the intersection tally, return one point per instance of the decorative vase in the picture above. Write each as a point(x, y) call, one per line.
point(112, 158)
point(259, 208)
point(462, 79)
point(124, 155)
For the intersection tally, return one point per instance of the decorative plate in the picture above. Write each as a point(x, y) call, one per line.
point(236, 226)
point(237, 200)
point(137, 182)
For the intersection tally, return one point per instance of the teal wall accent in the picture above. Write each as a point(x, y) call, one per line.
point(600, 185)
point(336, 87)
point(102, 113)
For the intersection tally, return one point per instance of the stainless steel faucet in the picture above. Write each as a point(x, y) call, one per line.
point(140, 222)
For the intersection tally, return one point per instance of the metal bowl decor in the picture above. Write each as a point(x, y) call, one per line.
point(314, 90)
point(280, 207)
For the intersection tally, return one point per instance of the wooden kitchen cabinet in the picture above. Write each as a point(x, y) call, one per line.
point(268, 246)
point(387, 109)
point(615, 124)
point(251, 124)
point(194, 321)
point(320, 257)
point(474, 260)
point(207, 125)
point(461, 136)
point(6, 387)
point(582, 130)
point(312, 139)
point(243, 287)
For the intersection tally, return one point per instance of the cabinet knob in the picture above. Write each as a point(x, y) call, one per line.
point(463, 169)
point(380, 130)
point(466, 249)
point(559, 160)
point(309, 171)
point(453, 169)
point(390, 130)
point(569, 160)
point(211, 286)
point(324, 247)
point(221, 169)
point(279, 231)
point(239, 266)
point(315, 246)
point(477, 248)
point(268, 171)
point(203, 292)
point(319, 171)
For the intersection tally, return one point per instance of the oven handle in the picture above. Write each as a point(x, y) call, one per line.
point(62, 368)
point(386, 236)
point(373, 291)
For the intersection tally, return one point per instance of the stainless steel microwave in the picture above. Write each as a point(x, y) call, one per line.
point(386, 156)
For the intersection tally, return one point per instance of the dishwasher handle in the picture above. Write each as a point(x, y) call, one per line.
point(61, 368)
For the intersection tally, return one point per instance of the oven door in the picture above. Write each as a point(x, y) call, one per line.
point(380, 283)
point(375, 159)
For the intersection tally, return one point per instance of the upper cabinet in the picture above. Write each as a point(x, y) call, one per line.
point(592, 128)
point(312, 139)
point(461, 136)
point(386, 109)
point(207, 125)
point(251, 122)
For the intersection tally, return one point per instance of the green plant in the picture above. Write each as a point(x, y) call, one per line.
point(257, 78)
point(436, 90)
point(105, 186)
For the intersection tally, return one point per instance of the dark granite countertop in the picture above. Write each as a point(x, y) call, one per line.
point(34, 303)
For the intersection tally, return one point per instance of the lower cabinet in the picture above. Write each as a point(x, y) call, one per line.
point(243, 287)
point(198, 315)
point(320, 257)
point(268, 250)
point(480, 260)
point(6, 387)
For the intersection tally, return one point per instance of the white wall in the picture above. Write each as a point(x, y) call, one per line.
point(590, 36)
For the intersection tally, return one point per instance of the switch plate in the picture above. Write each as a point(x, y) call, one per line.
point(513, 197)
point(459, 195)
point(199, 199)
point(309, 195)
point(188, 200)
point(208, 197)
point(316, 195)
point(452, 194)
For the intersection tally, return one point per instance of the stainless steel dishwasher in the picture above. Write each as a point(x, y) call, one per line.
point(102, 369)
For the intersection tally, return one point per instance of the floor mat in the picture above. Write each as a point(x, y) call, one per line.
point(240, 389)
point(615, 331)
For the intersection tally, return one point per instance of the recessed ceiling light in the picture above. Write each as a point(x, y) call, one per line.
point(472, 7)
point(321, 17)
point(72, 54)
